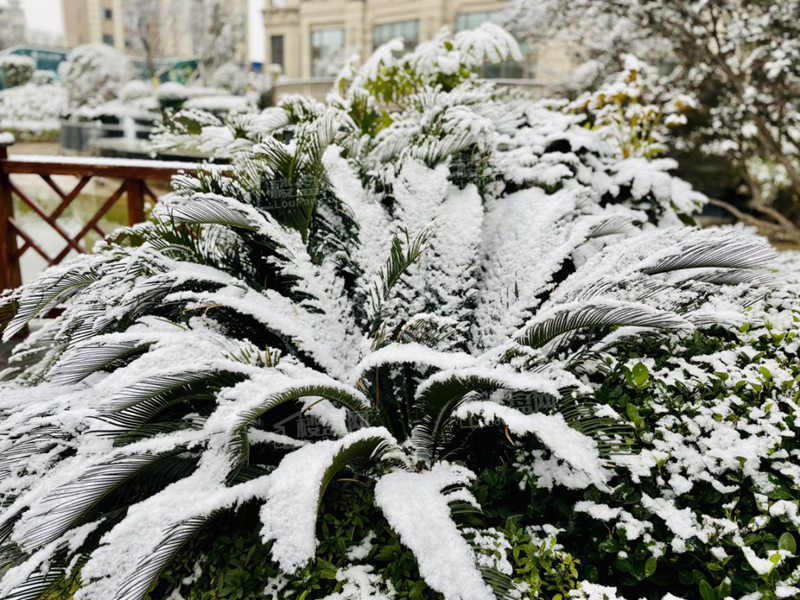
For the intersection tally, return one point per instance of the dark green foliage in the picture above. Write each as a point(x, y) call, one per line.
point(695, 573)
point(236, 564)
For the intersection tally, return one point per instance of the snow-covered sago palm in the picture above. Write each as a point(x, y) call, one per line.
point(393, 273)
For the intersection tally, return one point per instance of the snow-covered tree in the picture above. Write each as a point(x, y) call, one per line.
point(395, 274)
point(210, 30)
point(330, 63)
point(218, 32)
point(93, 74)
point(740, 59)
point(155, 30)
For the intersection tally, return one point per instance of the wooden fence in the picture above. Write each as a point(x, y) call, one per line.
point(15, 241)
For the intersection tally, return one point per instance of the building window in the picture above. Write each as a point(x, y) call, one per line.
point(276, 51)
point(108, 39)
point(473, 20)
point(408, 30)
point(508, 69)
point(327, 52)
point(106, 14)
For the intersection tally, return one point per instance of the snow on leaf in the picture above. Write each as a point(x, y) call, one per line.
point(289, 513)
point(416, 506)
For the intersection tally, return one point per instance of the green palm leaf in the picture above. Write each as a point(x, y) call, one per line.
point(543, 329)
point(67, 505)
point(436, 404)
point(147, 570)
point(52, 287)
point(83, 360)
point(142, 401)
point(352, 400)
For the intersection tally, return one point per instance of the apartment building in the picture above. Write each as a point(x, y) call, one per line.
point(311, 38)
point(93, 22)
point(103, 22)
point(12, 23)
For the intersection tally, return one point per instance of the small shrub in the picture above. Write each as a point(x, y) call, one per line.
point(93, 74)
point(33, 110)
point(707, 505)
point(43, 78)
point(230, 77)
point(16, 70)
point(135, 89)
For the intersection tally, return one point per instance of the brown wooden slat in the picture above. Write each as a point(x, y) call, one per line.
point(148, 191)
point(54, 186)
point(22, 166)
point(67, 200)
point(10, 276)
point(20, 251)
point(134, 190)
point(93, 221)
point(29, 241)
point(43, 214)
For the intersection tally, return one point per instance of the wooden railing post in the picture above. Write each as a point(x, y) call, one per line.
point(134, 190)
point(10, 276)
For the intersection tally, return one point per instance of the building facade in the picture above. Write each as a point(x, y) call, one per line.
point(12, 23)
point(102, 22)
point(93, 22)
point(312, 38)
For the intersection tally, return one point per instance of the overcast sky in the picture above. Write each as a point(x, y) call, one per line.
point(46, 15)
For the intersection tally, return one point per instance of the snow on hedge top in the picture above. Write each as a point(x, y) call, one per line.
point(32, 107)
point(17, 60)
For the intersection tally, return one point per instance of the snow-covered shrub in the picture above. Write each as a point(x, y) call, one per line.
point(230, 77)
point(171, 94)
point(401, 285)
point(144, 110)
point(32, 109)
point(41, 77)
point(94, 73)
point(740, 60)
point(707, 506)
point(16, 70)
point(135, 89)
point(221, 105)
point(633, 110)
